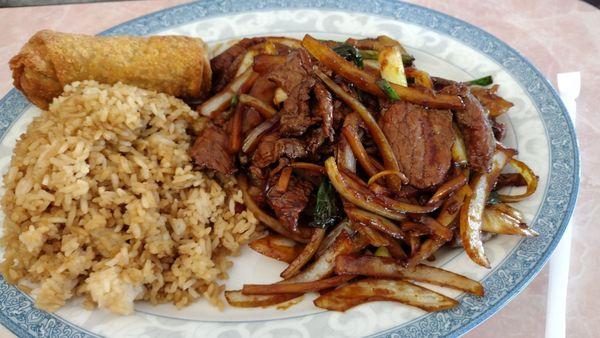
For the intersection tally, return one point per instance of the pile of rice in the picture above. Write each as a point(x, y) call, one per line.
point(102, 201)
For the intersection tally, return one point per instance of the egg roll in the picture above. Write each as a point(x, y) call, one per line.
point(175, 65)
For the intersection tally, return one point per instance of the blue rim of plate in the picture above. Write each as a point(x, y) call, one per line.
point(17, 310)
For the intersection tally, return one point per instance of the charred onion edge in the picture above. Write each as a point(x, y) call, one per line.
point(368, 290)
point(268, 246)
point(373, 220)
point(309, 251)
point(384, 267)
point(299, 287)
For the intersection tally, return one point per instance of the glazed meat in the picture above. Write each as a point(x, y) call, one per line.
point(324, 110)
point(421, 140)
point(211, 151)
point(289, 204)
point(476, 129)
point(296, 79)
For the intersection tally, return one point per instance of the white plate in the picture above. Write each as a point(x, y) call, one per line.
point(537, 126)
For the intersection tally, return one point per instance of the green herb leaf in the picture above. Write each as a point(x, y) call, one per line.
point(484, 81)
point(327, 210)
point(350, 53)
point(388, 90)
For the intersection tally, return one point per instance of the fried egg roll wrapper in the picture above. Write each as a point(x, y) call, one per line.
point(175, 65)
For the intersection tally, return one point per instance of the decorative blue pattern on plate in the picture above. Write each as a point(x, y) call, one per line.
point(19, 315)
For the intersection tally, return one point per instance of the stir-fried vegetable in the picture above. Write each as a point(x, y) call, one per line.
point(388, 90)
point(253, 136)
point(300, 287)
point(384, 267)
point(420, 77)
point(530, 178)
point(367, 82)
point(327, 210)
point(309, 250)
point(322, 106)
point(277, 247)
point(350, 53)
point(238, 299)
point(504, 219)
point(265, 110)
point(471, 215)
point(392, 68)
point(375, 221)
point(368, 290)
point(365, 198)
point(387, 153)
point(224, 99)
point(483, 81)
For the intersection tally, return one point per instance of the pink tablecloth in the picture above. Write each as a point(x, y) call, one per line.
point(557, 36)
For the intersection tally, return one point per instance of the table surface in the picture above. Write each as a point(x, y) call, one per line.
point(556, 35)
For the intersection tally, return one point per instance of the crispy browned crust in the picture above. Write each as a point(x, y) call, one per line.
point(175, 65)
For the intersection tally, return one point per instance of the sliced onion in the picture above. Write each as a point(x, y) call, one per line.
point(344, 155)
point(222, 100)
point(383, 267)
point(384, 173)
point(254, 135)
point(373, 220)
point(350, 132)
point(504, 219)
point(309, 250)
point(389, 158)
point(447, 189)
point(369, 290)
point(265, 110)
point(459, 150)
point(530, 178)
point(471, 215)
point(309, 167)
point(300, 287)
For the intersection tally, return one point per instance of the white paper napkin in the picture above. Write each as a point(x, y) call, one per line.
point(569, 85)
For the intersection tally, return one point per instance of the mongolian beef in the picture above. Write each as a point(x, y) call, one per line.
point(361, 166)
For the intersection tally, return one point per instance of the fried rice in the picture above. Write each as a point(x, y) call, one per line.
point(102, 202)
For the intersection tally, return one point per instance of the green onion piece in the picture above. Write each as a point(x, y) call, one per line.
point(388, 90)
point(484, 81)
point(350, 53)
point(234, 100)
point(327, 210)
point(407, 59)
point(369, 54)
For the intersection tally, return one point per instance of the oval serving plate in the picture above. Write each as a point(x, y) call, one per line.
point(538, 126)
